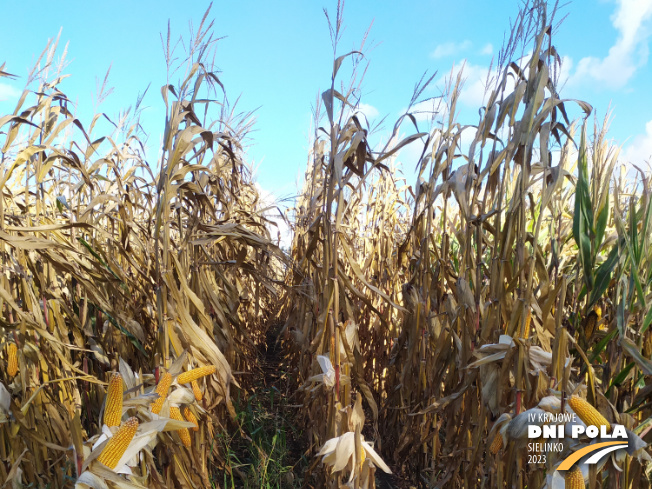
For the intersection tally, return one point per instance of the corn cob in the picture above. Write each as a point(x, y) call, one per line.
point(162, 390)
point(587, 413)
point(590, 322)
point(497, 444)
point(184, 434)
point(574, 479)
point(12, 356)
point(117, 445)
point(113, 407)
point(528, 321)
point(196, 373)
point(647, 344)
point(197, 391)
point(598, 311)
point(191, 417)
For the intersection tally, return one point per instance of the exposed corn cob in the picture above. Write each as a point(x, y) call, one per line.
point(113, 407)
point(118, 443)
point(574, 479)
point(162, 390)
point(197, 391)
point(184, 434)
point(590, 322)
point(496, 445)
point(12, 356)
point(647, 343)
point(587, 413)
point(598, 311)
point(196, 373)
point(191, 417)
point(528, 321)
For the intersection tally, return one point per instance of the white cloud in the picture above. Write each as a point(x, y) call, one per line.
point(282, 230)
point(639, 151)
point(472, 95)
point(7, 92)
point(451, 49)
point(369, 111)
point(475, 78)
point(487, 49)
point(629, 53)
point(474, 88)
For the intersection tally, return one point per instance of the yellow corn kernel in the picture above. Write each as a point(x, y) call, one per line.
point(191, 417)
point(647, 343)
point(184, 434)
point(587, 413)
point(118, 443)
point(196, 373)
point(496, 445)
point(162, 390)
point(198, 393)
point(574, 479)
point(362, 455)
point(12, 357)
point(113, 406)
point(598, 311)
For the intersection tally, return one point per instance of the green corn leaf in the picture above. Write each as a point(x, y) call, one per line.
point(633, 351)
point(603, 276)
point(622, 375)
point(583, 216)
point(647, 321)
point(633, 230)
point(134, 341)
point(599, 348)
point(600, 226)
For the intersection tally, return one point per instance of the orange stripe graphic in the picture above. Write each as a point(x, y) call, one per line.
point(571, 459)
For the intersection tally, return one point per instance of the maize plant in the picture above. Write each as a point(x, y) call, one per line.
point(509, 280)
point(427, 320)
point(113, 263)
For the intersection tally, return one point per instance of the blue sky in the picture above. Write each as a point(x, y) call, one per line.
point(277, 57)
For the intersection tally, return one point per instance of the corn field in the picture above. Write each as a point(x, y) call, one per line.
point(418, 325)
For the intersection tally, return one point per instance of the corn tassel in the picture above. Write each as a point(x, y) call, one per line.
point(574, 479)
point(197, 391)
point(12, 356)
point(117, 445)
point(113, 407)
point(196, 373)
point(191, 417)
point(184, 434)
point(162, 390)
point(587, 413)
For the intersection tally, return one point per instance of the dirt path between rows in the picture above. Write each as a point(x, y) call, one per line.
point(272, 451)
